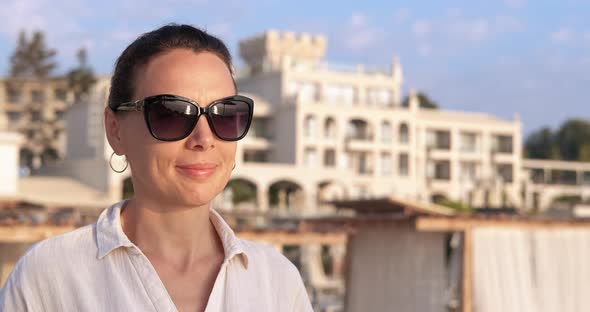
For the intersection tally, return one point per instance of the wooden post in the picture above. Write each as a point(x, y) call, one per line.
point(466, 282)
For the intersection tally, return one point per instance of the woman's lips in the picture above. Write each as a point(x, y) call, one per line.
point(200, 171)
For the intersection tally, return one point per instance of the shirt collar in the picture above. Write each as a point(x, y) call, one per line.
point(110, 235)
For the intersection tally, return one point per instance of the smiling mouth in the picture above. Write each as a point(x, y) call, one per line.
point(200, 171)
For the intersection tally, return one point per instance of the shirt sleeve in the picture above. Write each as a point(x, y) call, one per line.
point(302, 303)
point(12, 294)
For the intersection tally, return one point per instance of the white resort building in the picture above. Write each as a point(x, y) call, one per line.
point(322, 133)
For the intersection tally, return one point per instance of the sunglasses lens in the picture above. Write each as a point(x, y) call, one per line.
point(171, 119)
point(230, 119)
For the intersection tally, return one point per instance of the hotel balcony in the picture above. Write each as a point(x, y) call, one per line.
point(359, 135)
point(359, 145)
point(439, 140)
point(255, 143)
point(503, 144)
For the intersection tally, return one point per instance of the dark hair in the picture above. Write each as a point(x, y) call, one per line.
point(148, 45)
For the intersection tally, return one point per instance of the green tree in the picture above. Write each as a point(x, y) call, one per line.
point(584, 154)
point(570, 142)
point(423, 99)
point(572, 139)
point(81, 78)
point(32, 58)
point(541, 145)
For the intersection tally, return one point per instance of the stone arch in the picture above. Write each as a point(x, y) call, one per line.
point(330, 128)
point(359, 129)
point(240, 193)
point(438, 197)
point(49, 155)
point(286, 195)
point(310, 126)
point(330, 190)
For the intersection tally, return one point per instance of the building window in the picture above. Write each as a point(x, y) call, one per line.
point(37, 95)
point(60, 115)
point(385, 132)
point(468, 142)
point(403, 165)
point(505, 172)
point(329, 158)
point(442, 170)
point(563, 177)
point(386, 164)
point(358, 130)
point(379, 97)
point(14, 96)
point(310, 127)
point(537, 175)
point(340, 94)
point(14, 116)
point(61, 94)
point(404, 134)
point(305, 91)
point(330, 129)
point(310, 157)
point(504, 144)
point(363, 164)
point(36, 116)
point(439, 139)
point(586, 178)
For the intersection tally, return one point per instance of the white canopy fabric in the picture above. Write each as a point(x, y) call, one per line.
point(531, 270)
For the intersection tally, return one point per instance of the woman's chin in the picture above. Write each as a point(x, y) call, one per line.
point(194, 200)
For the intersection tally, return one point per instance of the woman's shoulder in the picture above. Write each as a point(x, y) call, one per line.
point(54, 250)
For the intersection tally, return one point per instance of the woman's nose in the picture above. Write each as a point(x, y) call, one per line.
point(202, 137)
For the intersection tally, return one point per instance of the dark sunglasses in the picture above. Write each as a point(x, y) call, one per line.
point(172, 117)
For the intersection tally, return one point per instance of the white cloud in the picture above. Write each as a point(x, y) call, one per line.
point(562, 35)
point(360, 34)
point(422, 28)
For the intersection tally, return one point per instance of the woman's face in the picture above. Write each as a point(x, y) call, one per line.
point(189, 172)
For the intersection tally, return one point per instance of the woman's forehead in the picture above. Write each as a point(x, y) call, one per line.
point(200, 76)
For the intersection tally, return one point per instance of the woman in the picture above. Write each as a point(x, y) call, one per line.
point(174, 114)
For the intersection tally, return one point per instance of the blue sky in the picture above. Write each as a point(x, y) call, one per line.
point(502, 57)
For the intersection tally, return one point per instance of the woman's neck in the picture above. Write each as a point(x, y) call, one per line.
point(180, 236)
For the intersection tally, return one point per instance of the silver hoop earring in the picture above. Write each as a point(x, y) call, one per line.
point(115, 170)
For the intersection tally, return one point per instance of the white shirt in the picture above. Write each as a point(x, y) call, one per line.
point(97, 268)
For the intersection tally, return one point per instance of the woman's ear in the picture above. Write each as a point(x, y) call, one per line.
point(112, 126)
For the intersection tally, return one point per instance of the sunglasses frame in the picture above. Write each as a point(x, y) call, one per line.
point(143, 106)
